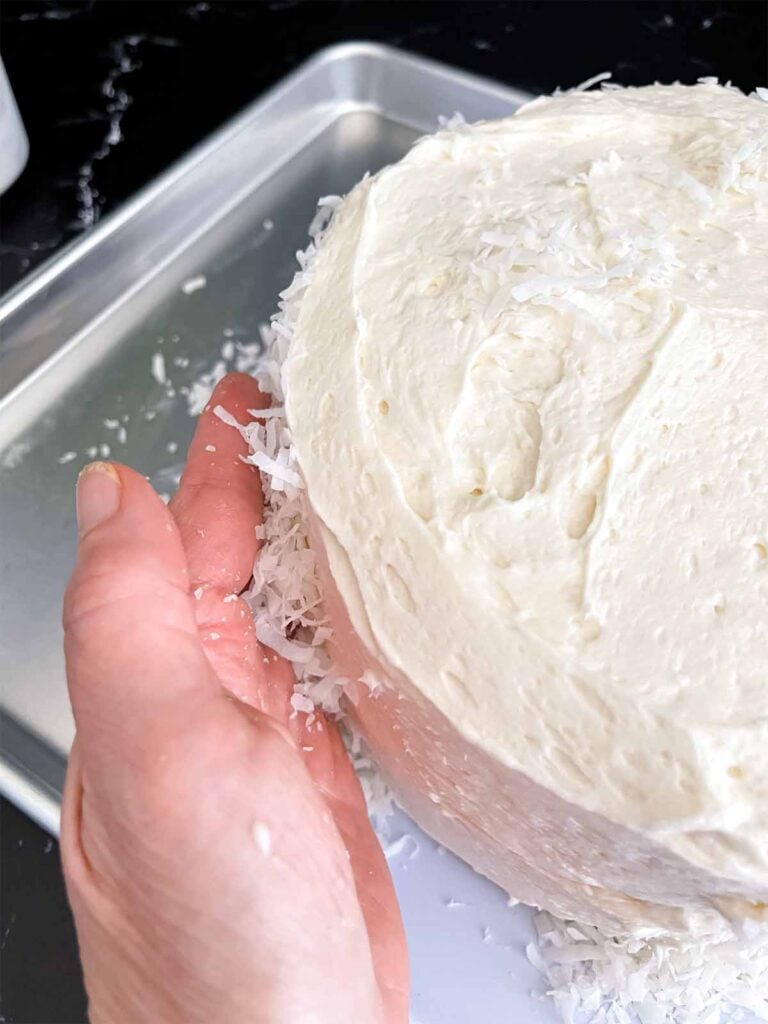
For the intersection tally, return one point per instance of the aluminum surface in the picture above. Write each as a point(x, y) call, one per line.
point(85, 345)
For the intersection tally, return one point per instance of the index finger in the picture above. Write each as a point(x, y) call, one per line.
point(219, 502)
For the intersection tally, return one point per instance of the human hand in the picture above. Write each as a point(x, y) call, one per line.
point(218, 855)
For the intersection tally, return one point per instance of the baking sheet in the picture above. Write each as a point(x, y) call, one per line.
point(99, 356)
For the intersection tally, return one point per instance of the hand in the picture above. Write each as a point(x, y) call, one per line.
point(218, 855)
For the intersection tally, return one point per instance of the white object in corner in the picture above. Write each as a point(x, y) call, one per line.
point(14, 146)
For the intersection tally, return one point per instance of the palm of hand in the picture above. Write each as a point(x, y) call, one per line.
point(218, 854)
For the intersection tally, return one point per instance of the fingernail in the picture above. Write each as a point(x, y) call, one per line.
point(98, 495)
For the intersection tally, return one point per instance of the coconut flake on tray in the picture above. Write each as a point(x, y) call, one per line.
point(654, 980)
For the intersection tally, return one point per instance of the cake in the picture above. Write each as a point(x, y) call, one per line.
point(525, 375)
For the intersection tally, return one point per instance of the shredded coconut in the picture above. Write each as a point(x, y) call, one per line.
point(194, 284)
point(405, 844)
point(227, 417)
point(157, 367)
point(262, 837)
point(15, 454)
point(658, 980)
point(589, 82)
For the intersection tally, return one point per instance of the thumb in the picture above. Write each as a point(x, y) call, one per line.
point(134, 660)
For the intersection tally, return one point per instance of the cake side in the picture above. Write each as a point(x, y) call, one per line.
point(540, 849)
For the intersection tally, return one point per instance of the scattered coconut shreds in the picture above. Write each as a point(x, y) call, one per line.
point(603, 76)
point(594, 978)
point(194, 284)
point(157, 367)
point(227, 417)
point(274, 411)
point(406, 845)
point(243, 356)
point(653, 981)
point(452, 123)
point(201, 389)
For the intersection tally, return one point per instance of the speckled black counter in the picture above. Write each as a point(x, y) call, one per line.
point(112, 92)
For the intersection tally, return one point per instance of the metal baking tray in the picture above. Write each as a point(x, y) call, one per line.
point(100, 347)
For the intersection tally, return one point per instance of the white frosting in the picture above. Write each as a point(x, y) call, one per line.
point(528, 388)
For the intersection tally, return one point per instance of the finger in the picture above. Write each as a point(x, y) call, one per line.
point(219, 502)
point(134, 659)
point(333, 774)
point(248, 670)
point(218, 507)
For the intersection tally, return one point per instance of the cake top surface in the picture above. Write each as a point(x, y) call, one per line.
point(527, 389)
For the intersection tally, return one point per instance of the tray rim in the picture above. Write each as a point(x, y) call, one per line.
point(333, 95)
point(30, 285)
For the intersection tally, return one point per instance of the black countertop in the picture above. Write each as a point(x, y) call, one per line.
point(112, 92)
